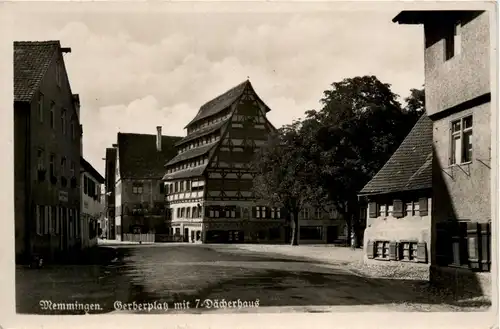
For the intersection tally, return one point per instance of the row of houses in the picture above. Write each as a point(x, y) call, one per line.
point(57, 192)
point(198, 188)
point(430, 206)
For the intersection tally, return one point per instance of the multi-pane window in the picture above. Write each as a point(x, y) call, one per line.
point(409, 251)
point(305, 213)
point(63, 166)
point(52, 164)
point(461, 141)
point(178, 212)
point(188, 185)
point(40, 164)
point(58, 74)
point(63, 121)
point(137, 188)
point(40, 107)
point(188, 212)
point(412, 208)
point(73, 130)
point(52, 114)
point(318, 212)
point(382, 249)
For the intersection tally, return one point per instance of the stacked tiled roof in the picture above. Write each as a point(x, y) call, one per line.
point(31, 61)
point(410, 167)
point(87, 167)
point(220, 103)
point(139, 157)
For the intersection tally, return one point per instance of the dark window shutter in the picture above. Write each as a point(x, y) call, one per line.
point(423, 206)
point(422, 252)
point(372, 208)
point(485, 246)
point(254, 212)
point(207, 211)
point(268, 212)
point(393, 251)
point(370, 249)
point(397, 208)
point(473, 245)
point(238, 212)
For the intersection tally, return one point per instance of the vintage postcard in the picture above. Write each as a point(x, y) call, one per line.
point(193, 159)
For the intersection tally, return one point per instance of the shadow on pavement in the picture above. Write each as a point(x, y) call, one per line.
point(182, 274)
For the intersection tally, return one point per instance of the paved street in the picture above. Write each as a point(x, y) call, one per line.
point(177, 273)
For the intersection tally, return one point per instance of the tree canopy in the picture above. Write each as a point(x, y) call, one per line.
point(332, 153)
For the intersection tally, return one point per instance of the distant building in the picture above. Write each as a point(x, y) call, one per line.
point(319, 225)
point(209, 181)
point(399, 197)
point(458, 101)
point(92, 207)
point(47, 150)
point(110, 196)
point(136, 189)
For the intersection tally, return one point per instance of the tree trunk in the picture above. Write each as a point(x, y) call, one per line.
point(295, 229)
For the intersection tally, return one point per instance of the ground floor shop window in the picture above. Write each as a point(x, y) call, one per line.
point(311, 233)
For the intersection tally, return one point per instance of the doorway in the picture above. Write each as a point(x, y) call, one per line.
point(186, 235)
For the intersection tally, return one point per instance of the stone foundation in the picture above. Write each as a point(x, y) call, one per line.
point(462, 281)
point(394, 269)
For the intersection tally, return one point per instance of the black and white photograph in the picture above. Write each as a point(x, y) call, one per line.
point(329, 158)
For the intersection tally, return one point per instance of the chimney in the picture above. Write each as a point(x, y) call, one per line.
point(158, 138)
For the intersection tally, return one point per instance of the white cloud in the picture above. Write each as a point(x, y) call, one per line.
point(134, 72)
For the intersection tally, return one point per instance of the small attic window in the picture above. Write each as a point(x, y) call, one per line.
point(58, 73)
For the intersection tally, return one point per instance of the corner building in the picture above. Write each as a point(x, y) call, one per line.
point(209, 181)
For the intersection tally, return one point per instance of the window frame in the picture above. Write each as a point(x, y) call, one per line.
point(459, 135)
point(41, 100)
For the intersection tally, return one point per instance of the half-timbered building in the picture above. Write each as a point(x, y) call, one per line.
point(209, 182)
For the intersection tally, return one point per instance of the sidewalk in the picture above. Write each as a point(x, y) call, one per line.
point(105, 242)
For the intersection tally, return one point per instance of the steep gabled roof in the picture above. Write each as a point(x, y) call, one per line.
point(410, 167)
point(139, 157)
point(31, 61)
point(220, 102)
point(87, 167)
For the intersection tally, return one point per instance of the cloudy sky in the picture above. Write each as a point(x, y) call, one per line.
point(135, 71)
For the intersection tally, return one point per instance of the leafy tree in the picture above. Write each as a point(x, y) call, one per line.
point(359, 127)
point(283, 174)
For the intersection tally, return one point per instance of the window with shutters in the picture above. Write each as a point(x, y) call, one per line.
point(263, 212)
point(188, 212)
point(178, 212)
point(408, 251)
point(461, 141)
point(278, 213)
point(382, 249)
point(257, 212)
